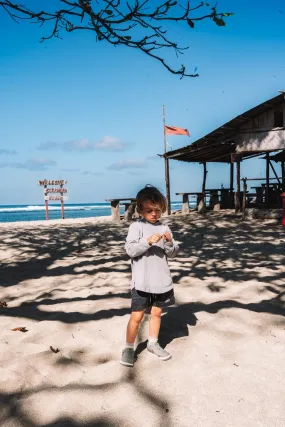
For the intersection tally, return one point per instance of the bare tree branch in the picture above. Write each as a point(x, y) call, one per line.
point(134, 23)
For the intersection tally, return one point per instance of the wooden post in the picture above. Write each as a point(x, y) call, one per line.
point(232, 178)
point(202, 202)
point(214, 200)
point(237, 193)
point(185, 204)
point(283, 174)
point(231, 196)
point(62, 204)
point(267, 179)
point(129, 211)
point(244, 198)
point(259, 196)
point(204, 177)
point(166, 161)
point(46, 202)
point(167, 183)
point(62, 209)
point(115, 208)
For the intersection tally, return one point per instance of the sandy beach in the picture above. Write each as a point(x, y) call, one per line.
point(67, 282)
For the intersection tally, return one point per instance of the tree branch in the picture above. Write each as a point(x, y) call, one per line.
point(122, 23)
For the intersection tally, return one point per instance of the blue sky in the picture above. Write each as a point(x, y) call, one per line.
point(92, 114)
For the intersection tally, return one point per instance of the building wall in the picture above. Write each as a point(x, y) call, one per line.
point(261, 133)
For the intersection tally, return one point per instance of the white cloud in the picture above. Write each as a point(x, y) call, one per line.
point(82, 145)
point(108, 143)
point(3, 151)
point(39, 164)
point(88, 173)
point(128, 164)
point(79, 145)
point(135, 173)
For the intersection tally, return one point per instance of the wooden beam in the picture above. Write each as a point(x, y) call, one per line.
point(225, 155)
point(192, 149)
point(227, 127)
point(203, 144)
point(251, 156)
point(209, 153)
point(274, 171)
point(261, 179)
point(243, 117)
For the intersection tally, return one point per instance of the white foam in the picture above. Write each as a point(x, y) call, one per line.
point(35, 208)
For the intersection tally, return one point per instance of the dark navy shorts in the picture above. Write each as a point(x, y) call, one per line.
point(144, 300)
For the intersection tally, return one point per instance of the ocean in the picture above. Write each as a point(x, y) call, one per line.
point(16, 213)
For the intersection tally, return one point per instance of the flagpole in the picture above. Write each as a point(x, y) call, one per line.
point(166, 162)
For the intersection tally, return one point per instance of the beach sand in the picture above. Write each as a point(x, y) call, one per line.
point(67, 282)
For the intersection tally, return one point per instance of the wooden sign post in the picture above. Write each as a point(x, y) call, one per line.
point(54, 193)
point(46, 203)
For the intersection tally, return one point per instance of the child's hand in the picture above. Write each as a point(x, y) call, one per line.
point(167, 237)
point(154, 238)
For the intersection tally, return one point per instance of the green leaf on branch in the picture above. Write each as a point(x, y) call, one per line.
point(220, 22)
point(190, 23)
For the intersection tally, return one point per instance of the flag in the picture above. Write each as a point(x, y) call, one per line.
point(173, 130)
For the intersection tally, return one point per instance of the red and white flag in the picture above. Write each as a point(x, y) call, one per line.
point(173, 130)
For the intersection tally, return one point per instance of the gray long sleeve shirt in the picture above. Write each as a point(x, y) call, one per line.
point(150, 271)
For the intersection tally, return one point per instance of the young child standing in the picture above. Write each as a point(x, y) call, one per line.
point(149, 243)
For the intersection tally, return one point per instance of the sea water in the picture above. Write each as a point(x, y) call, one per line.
point(16, 213)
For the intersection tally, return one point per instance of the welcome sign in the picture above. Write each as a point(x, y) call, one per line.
point(54, 193)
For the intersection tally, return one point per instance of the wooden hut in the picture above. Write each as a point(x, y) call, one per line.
point(259, 131)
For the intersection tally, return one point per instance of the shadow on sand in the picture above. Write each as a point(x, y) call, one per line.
point(228, 250)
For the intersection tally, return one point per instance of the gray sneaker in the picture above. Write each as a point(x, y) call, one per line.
point(128, 357)
point(158, 351)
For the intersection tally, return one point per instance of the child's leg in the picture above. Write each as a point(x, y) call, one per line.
point(128, 354)
point(154, 327)
point(133, 326)
point(154, 324)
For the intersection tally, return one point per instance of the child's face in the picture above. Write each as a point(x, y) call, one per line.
point(151, 212)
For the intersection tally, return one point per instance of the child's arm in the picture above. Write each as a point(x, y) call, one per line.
point(135, 246)
point(171, 248)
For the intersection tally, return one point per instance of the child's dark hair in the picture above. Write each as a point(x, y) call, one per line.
point(153, 195)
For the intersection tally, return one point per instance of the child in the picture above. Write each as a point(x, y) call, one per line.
point(149, 244)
